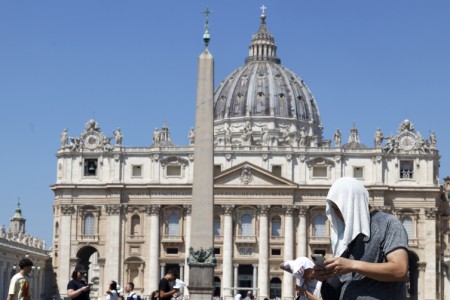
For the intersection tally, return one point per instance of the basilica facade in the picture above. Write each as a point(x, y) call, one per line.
point(125, 212)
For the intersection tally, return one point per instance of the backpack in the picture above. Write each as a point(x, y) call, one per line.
point(132, 298)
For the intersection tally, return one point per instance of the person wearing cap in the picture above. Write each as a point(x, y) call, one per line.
point(19, 287)
point(77, 288)
point(302, 269)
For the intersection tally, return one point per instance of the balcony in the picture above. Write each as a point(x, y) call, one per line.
point(319, 240)
point(172, 239)
point(413, 243)
point(218, 239)
point(88, 238)
point(246, 240)
point(276, 240)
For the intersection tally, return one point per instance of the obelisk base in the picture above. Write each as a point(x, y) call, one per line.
point(201, 283)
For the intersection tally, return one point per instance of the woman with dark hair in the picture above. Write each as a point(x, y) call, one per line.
point(77, 288)
point(112, 291)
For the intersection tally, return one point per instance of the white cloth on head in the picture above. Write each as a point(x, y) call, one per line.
point(352, 199)
point(237, 297)
point(298, 267)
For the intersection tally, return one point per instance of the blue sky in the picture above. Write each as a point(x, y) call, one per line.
point(133, 64)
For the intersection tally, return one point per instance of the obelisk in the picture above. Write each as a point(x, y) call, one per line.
point(201, 260)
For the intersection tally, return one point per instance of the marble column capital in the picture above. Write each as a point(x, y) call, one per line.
point(430, 213)
point(302, 210)
point(263, 210)
point(289, 210)
point(153, 209)
point(67, 209)
point(113, 209)
point(187, 209)
point(228, 209)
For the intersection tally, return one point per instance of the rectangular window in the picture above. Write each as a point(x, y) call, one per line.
point(406, 169)
point(217, 170)
point(358, 172)
point(173, 171)
point(320, 251)
point(90, 167)
point(172, 250)
point(136, 171)
point(276, 252)
point(217, 251)
point(276, 170)
point(320, 171)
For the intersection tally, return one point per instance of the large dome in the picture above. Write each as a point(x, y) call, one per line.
point(267, 99)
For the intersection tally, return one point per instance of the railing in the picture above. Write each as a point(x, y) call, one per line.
point(413, 242)
point(319, 240)
point(172, 238)
point(277, 239)
point(88, 237)
point(248, 239)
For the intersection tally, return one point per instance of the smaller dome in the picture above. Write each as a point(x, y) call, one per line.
point(353, 141)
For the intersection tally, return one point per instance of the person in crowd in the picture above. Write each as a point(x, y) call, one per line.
point(77, 288)
point(19, 286)
point(131, 294)
point(154, 295)
point(112, 292)
point(302, 269)
point(166, 292)
point(249, 296)
point(370, 247)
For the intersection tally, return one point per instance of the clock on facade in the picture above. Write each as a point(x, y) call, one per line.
point(407, 142)
point(91, 141)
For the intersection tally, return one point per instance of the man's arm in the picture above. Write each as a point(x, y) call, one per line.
point(75, 293)
point(282, 267)
point(394, 269)
point(163, 294)
point(9, 297)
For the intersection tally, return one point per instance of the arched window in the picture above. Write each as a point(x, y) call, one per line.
point(135, 225)
point(319, 226)
point(89, 224)
point(276, 226)
point(216, 226)
point(408, 224)
point(246, 225)
point(275, 288)
point(174, 225)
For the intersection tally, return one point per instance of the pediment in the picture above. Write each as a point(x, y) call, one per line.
point(247, 174)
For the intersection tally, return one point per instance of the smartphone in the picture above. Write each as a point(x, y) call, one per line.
point(318, 259)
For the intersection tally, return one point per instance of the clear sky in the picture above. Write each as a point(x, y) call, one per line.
point(133, 64)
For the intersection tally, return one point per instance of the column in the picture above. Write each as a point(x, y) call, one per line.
point(254, 277)
point(287, 289)
point(182, 272)
point(163, 269)
point(235, 278)
point(430, 246)
point(3, 280)
point(302, 236)
point(227, 275)
point(64, 255)
point(187, 245)
point(153, 237)
point(113, 246)
point(263, 259)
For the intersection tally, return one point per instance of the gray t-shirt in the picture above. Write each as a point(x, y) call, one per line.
point(386, 235)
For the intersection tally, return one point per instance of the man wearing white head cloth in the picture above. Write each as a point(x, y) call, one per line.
point(302, 270)
point(369, 246)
